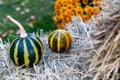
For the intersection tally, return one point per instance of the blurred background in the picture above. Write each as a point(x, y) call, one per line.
point(34, 15)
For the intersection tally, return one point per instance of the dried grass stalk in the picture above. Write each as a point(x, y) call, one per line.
point(105, 64)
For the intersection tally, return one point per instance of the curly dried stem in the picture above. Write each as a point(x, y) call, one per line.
point(23, 33)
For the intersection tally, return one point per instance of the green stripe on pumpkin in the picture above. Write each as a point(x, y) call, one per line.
point(63, 42)
point(40, 43)
point(35, 51)
point(55, 42)
point(20, 54)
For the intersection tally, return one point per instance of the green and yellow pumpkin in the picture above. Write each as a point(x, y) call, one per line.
point(25, 49)
point(59, 40)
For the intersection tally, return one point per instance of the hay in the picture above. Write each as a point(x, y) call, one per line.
point(94, 55)
point(105, 64)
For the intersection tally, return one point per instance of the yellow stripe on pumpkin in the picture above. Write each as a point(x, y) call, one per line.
point(69, 38)
point(67, 41)
point(15, 53)
point(26, 55)
point(12, 42)
point(51, 40)
point(36, 51)
point(58, 43)
point(52, 32)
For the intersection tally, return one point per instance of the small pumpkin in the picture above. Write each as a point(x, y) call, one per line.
point(59, 40)
point(25, 49)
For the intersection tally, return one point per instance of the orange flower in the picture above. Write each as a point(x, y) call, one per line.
point(85, 18)
point(57, 5)
point(79, 11)
point(89, 10)
point(97, 2)
point(68, 12)
point(64, 1)
point(62, 16)
point(68, 19)
point(63, 23)
point(77, 4)
point(56, 18)
point(73, 11)
point(96, 10)
point(85, 1)
point(65, 9)
point(70, 1)
point(59, 25)
point(70, 6)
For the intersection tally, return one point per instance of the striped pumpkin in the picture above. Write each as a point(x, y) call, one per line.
point(59, 40)
point(25, 49)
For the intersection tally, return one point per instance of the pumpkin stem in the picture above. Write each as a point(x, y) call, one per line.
point(23, 33)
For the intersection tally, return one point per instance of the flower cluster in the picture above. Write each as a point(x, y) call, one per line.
point(65, 9)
